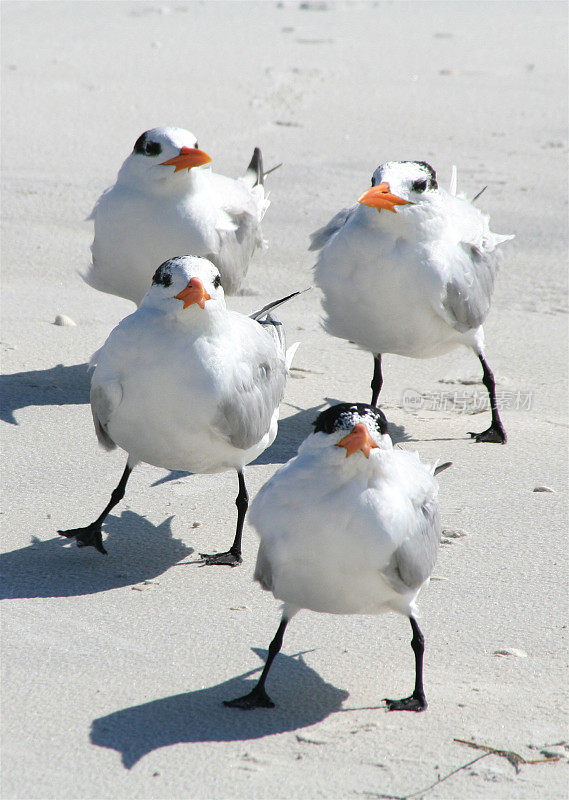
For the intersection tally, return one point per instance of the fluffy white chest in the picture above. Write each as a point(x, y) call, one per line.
point(382, 291)
point(170, 398)
point(329, 540)
point(135, 233)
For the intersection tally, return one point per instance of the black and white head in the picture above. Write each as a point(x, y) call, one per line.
point(354, 426)
point(186, 286)
point(161, 153)
point(400, 183)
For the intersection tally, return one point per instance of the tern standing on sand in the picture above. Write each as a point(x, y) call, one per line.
point(416, 282)
point(186, 384)
point(348, 526)
point(166, 202)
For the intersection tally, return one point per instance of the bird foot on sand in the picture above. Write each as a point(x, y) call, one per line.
point(229, 559)
point(495, 433)
point(258, 698)
point(90, 536)
point(413, 703)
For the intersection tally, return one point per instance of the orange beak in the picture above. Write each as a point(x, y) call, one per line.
point(358, 439)
point(380, 197)
point(193, 293)
point(188, 157)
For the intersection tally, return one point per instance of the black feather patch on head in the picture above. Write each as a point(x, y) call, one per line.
point(433, 184)
point(146, 147)
point(345, 415)
point(163, 275)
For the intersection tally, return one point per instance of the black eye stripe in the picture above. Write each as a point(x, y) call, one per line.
point(432, 180)
point(146, 147)
point(163, 275)
point(153, 149)
point(430, 176)
point(140, 144)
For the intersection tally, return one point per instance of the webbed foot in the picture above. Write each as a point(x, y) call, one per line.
point(495, 433)
point(90, 536)
point(258, 698)
point(228, 559)
point(416, 702)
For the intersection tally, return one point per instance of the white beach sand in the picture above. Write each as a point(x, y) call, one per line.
point(114, 668)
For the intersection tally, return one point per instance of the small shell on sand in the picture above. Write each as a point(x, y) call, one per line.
point(511, 651)
point(456, 533)
point(544, 489)
point(63, 319)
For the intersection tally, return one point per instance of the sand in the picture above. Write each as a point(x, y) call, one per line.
point(115, 667)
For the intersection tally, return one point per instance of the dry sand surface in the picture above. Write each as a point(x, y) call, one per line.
point(115, 667)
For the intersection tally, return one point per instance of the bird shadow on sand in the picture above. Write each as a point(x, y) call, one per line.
point(56, 386)
point(138, 551)
point(292, 432)
point(302, 699)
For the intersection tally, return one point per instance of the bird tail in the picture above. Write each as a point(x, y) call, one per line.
point(254, 174)
point(276, 328)
point(258, 315)
point(453, 180)
point(290, 353)
point(478, 194)
point(437, 468)
point(94, 359)
point(503, 237)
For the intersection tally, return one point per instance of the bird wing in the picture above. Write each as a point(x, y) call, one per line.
point(468, 293)
point(125, 243)
point(254, 387)
point(414, 559)
point(415, 551)
point(323, 235)
point(274, 327)
point(106, 397)
point(263, 571)
point(238, 227)
point(98, 204)
point(469, 261)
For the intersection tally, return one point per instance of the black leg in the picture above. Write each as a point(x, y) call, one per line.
point(233, 556)
point(496, 432)
point(91, 535)
point(417, 701)
point(377, 380)
point(258, 698)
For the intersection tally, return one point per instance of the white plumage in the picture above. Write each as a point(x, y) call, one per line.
point(184, 383)
point(417, 282)
point(157, 210)
point(348, 526)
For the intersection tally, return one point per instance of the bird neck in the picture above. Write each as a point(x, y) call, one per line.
point(201, 321)
point(384, 219)
point(167, 183)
